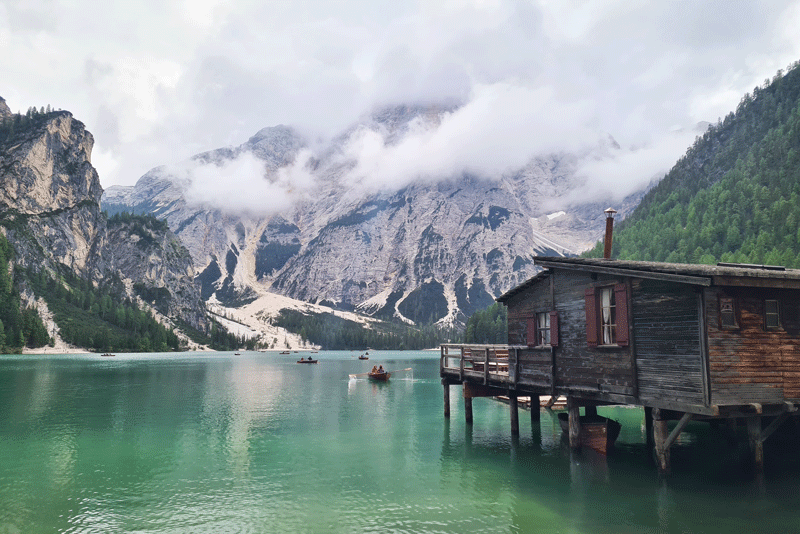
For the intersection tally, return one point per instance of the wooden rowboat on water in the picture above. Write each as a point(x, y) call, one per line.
point(597, 432)
point(301, 360)
point(380, 377)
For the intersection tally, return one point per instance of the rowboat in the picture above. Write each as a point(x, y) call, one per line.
point(381, 377)
point(597, 432)
point(363, 357)
point(301, 360)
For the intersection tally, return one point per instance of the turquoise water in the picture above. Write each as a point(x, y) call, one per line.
point(218, 443)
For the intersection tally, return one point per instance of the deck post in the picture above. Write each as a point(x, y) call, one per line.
point(648, 427)
point(513, 408)
point(446, 386)
point(468, 409)
point(660, 435)
point(756, 443)
point(536, 410)
point(574, 411)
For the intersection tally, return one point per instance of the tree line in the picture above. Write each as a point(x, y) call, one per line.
point(734, 196)
point(19, 327)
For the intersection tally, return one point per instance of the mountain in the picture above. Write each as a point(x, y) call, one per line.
point(50, 214)
point(422, 251)
point(735, 195)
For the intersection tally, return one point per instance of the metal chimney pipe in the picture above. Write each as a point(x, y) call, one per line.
point(609, 231)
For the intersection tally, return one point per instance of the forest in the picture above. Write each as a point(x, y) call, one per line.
point(335, 333)
point(734, 196)
point(19, 326)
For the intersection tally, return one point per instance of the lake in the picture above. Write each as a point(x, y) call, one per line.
point(220, 443)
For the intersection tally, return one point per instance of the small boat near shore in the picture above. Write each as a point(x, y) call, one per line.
point(363, 357)
point(597, 432)
point(107, 355)
point(309, 360)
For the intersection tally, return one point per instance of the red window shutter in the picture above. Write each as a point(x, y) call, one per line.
point(532, 332)
point(553, 328)
point(621, 300)
point(591, 317)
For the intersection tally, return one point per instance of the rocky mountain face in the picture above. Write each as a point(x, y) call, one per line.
point(156, 266)
point(50, 212)
point(422, 252)
point(50, 196)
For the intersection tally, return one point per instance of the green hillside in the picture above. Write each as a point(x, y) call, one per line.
point(734, 196)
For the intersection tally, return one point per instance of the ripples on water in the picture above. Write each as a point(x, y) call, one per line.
point(256, 443)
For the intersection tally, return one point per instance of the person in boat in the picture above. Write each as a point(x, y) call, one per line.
point(374, 369)
point(380, 369)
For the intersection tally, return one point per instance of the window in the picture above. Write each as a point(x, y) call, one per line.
point(772, 317)
point(607, 316)
point(727, 313)
point(608, 312)
point(543, 328)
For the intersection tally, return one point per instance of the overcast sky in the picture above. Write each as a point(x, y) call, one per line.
point(159, 81)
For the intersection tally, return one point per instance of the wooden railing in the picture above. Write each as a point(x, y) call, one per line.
point(487, 363)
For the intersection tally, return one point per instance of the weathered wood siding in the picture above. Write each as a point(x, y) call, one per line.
point(666, 329)
point(751, 363)
point(535, 365)
point(606, 370)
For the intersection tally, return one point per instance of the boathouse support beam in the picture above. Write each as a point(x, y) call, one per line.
point(648, 427)
point(684, 420)
point(536, 410)
point(660, 438)
point(446, 387)
point(756, 443)
point(574, 410)
point(513, 408)
point(468, 410)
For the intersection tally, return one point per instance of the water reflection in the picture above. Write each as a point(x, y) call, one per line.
point(258, 443)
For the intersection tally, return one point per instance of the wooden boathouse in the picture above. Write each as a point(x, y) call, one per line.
point(686, 342)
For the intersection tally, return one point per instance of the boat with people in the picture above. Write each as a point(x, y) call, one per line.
point(597, 432)
point(108, 355)
point(309, 360)
point(363, 357)
point(380, 376)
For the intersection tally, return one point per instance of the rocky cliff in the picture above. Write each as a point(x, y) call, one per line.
point(422, 251)
point(50, 212)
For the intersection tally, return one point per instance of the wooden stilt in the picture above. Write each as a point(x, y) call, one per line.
point(468, 410)
point(446, 386)
point(513, 407)
point(574, 410)
point(756, 443)
point(536, 410)
point(591, 411)
point(660, 438)
point(648, 427)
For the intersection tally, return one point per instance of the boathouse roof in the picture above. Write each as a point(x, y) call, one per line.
point(721, 274)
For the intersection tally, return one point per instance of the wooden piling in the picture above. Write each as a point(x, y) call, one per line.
point(648, 427)
point(536, 410)
point(660, 437)
point(446, 386)
point(468, 410)
point(756, 443)
point(513, 408)
point(574, 411)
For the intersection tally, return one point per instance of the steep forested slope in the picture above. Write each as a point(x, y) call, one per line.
point(734, 196)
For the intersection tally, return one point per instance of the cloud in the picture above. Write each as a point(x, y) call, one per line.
point(242, 185)
point(158, 82)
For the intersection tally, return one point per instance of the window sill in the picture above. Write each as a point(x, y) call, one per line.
point(611, 347)
point(540, 347)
